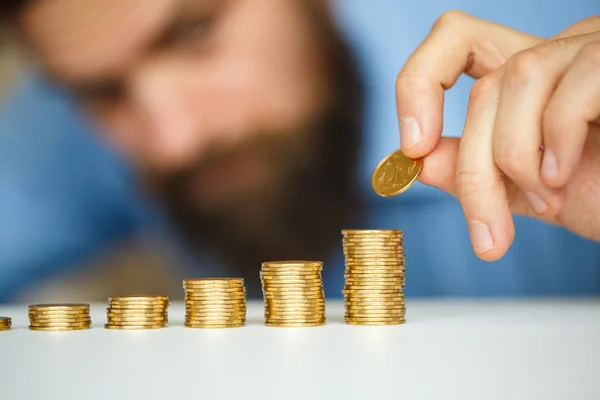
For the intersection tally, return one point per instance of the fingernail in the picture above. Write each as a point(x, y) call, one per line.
point(549, 165)
point(481, 238)
point(537, 203)
point(410, 133)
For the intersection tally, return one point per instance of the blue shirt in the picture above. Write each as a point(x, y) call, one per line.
point(64, 195)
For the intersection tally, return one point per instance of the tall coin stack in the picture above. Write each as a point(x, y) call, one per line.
point(215, 302)
point(137, 312)
point(374, 284)
point(293, 292)
point(5, 323)
point(59, 317)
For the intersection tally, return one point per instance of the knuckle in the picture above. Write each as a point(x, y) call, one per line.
point(483, 88)
point(508, 160)
point(406, 80)
point(590, 53)
point(450, 20)
point(468, 182)
point(524, 66)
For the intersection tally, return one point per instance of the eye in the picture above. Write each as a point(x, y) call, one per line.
point(102, 92)
point(188, 33)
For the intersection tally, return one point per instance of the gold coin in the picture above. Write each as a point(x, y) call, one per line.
point(216, 293)
point(366, 269)
point(214, 326)
point(216, 306)
point(211, 317)
point(374, 300)
point(294, 283)
point(213, 322)
point(395, 174)
point(373, 275)
point(272, 319)
point(292, 288)
point(373, 323)
point(65, 326)
point(5, 323)
point(60, 321)
point(125, 316)
point(215, 309)
point(291, 310)
point(59, 306)
point(294, 324)
point(138, 304)
point(374, 313)
point(132, 327)
point(375, 318)
point(290, 273)
point(294, 300)
point(371, 286)
point(80, 311)
point(292, 263)
point(59, 324)
point(371, 232)
point(139, 297)
point(140, 318)
point(209, 321)
point(212, 297)
point(368, 254)
point(59, 328)
point(374, 310)
point(230, 287)
point(214, 281)
point(294, 296)
point(298, 278)
point(137, 323)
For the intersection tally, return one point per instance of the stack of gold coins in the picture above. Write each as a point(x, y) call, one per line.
point(5, 323)
point(59, 317)
point(137, 312)
point(215, 302)
point(374, 284)
point(293, 292)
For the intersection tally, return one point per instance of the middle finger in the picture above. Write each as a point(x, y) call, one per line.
point(479, 183)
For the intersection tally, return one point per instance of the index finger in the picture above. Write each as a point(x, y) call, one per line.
point(458, 43)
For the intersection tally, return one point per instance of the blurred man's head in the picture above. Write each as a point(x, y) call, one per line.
point(242, 114)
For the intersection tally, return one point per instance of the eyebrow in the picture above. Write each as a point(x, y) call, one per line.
point(191, 11)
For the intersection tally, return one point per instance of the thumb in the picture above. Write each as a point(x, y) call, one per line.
point(439, 166)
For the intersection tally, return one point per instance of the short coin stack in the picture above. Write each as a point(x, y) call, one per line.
point(59, 317)
point(293, 292)
point(5, 323)
point(374, 285)
point(215, 302)
point(137, 312)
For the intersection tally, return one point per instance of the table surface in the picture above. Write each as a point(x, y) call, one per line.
point(447, 350)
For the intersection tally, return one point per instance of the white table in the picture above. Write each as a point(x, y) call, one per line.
point(446, 350)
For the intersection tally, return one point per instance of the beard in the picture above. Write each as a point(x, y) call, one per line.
point(308, 196)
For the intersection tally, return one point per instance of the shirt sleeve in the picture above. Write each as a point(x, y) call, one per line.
point(64, 195)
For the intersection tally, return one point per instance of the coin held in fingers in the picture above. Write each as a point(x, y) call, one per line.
point(395, 174)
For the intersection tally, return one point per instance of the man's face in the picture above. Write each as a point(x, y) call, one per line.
point(243, 115)
point(214, 87)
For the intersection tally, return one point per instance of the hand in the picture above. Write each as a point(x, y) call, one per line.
point(529, 93)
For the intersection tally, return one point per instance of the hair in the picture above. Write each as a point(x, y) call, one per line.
point(9, 9)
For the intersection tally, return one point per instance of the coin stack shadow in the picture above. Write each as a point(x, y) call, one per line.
point(293, 293)
point(59, 317)
point(215, 302)
point(5, 323)
point(374, 277)
point(137, 312)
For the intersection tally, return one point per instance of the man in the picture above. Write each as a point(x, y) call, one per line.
point(243, 118)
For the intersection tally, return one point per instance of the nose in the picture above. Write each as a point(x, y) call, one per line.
point(170, 116)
